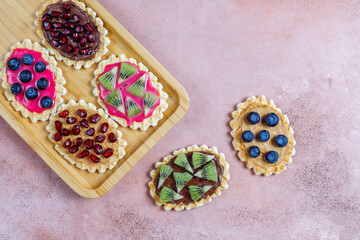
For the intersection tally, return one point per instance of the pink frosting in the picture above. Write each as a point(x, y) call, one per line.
point(123, 86)
point(14, 77)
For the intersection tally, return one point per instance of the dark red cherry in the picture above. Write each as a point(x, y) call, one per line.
point(84, 123)
point(112, 137)
point(78, 141)
point(89, 144)
point(68, 48)
point(88, 27)
point(54, 43)
point(57, 137)
point(76, 130)
point(82, 113)
point(63, 40)
point(71, 120)
point(76, 18)
point(79, 29)
point(94, 158)
point(86, 51)
point(94, 118)
point(56, 25)
point(73, 149)
point(69, 25)
point(66, 6)
point(45, 17)
point(90, 132)
point(66, 32)
point(104, 127)
point(55, 14)
point(67, 143)
point(100, 138)
point(108, 152)
point(47, 26)
point(84, 153)
point(64, 113)
point(76, 51)
point(65, 132)
point(83, 41)
point(58, 125)
point(67, 16)
point(91, 37)
point(98, 149)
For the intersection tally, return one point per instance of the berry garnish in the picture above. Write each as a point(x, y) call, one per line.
point(76, 36)
point(65, 132)
point(69, 25)
point(54, 43)
point(84, 123)
point(247, 136)
point(56, 25)
point(82, 113)
point(91, 37)
point(79, 29)
point(16, 89)
point(86, 51)
point(27, 59)
point(263, 136)
point(89, 144)
point(95, 118)
point(47, 26)
point(76, 18)
point(67, 16)
point(76, 51)
point(14, 64)
point(42, 83)
point(76, 130)
point(63, 40)
point(254, 151)
point(108, 152)
point(55, 14)
point(58, 125)
point(271, 157)
point(83, 154)
point(281, 141)
point(253, 118)
point(46, 102)
point(88, 27)
point(31, 93)
point(112, 137)
point(66, 32)
point(64, 113)
point(66, 6)
point(55, 35)
point(25, 76)
point(78, 141)
point(98, 149)
point(90, 132)
point(57, 137)
point(69, 49)
point(94, 158)
point(71, 120)
point(73, 149)
point(67, 143)
point(100, 138)
point(45, 17)
point(104, 127)
point(271, 119)
point(83, 41)
point(40, 67)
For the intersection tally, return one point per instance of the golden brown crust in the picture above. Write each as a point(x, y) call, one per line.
point(59, 79)
point(259, 165)
point(201, 202)
point(105, 41)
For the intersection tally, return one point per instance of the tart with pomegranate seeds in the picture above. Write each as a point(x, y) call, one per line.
point(189, 178)
point(32, 81)
point(86, 137)
point(129, 93)
point(72, 32)
point(262, 136)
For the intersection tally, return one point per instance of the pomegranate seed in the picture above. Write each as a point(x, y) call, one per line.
point(108, 152)
point(78, 141)
point(57, 137)
point(91, 37)
point(58, 125)
point(76, 130)
point(79, 29)
point(100, 138)
point(55, 14)
point(54, 34)
point(76, 51)
point(104, 127)
point(94, 158)
point(94, 118)
point(89, 144)
point(66, 32)
point(88, 27)
point(73, 149)
point(45, 17)
point(63, 40)
point(76, 36)
point(64, 113)
point(71, 120)
point(98, 149)
point(54, 43)
point(67, 143)
point(84, 153)
point(69, 48)
point(66, 6)
point(65, 132)
point(84, 123)
point(57, 25)
point(69, 25)
point(82, 113)
point(67, 16)
point(47, 26)
point(90, 132)
point(112, 137)
point(76, 18)
point(86, 51)
point(83, 41)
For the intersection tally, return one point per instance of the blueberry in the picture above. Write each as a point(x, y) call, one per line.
point(40, 67)
point(46, 102)
point(16, 89)
point(31, 93)
point(263, 136)
point(271, 119)
point(253, 118)
point(271, 156)
point(281, 141)
point(42, 83)
point(254, 151)
point(14, 64)
point(247, 136)
point(25, 76)
point(27, 59)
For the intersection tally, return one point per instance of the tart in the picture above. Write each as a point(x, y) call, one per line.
point(72, 32)
point(129, 93)
point(189, 178)
point(262, 136)
point(32, 81)
point(86, 137)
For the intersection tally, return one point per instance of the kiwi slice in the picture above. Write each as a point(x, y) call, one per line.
point(126, 70)
point(181, 179)
point(164, 172)
point(196, 192)
point(208, 172)
point(199, 159)
point(182, 161)
point(149, 101)
point(168, 195)
point(115, 99)
point(138, 88)
point(132, 108)
point(108, 79)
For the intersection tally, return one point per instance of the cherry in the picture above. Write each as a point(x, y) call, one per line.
point(68, 48)
point(98, 149)
point(73, 149)
point(78, 141)
point(100, 138)
point(54, 43)
point(76, 37)
point(76, 18)
point(67, 16)
point(58, 125)
point(76, 51)
point(47, 26)
point(82, 113)
point(69, 25)
point(79, 29)
point(65, 132)
point(89, 144)
point(112, 137)
point(84, 153)
point(55, 14)
point(90, 132)
point(57, 25)
point(84, 123)
point(76, 130)
point(94, 118)
point(104, 127)
point(108, 152)
point(94, 158)
point(45, 17)
point(91, 37)
point(66, 6)
point(71, 120)
point(88, 27)
point(83, 41)
point(64, 113)
point(86, 51)
point(63, 40)
point(67, 143)
point(57, 137)
point(66, 32)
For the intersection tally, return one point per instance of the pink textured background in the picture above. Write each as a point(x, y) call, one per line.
point(304, 55)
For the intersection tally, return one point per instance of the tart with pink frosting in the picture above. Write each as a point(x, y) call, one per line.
point(129, 93)
point(32, 81)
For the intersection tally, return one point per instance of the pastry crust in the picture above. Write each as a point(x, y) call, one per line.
point(59, 79)
point(201, 202)
point(119, 147)
point(158, 111)
point(261, 166)
point(104, 40)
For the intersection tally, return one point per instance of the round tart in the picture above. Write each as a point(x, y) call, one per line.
point(72, 32)
point(32, 81)
point(86, 137)
point(262, 136)
point(189, 178)
point(129, 92)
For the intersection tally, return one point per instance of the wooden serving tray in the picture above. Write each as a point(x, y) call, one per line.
point(16, 24)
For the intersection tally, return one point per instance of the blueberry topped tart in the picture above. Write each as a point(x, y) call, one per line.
point(129, 92)
point(189, 178)
point(32, 81)
point(86, 137)
point(262, 136)
point(72, 32)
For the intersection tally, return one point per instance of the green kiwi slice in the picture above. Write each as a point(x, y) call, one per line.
point(182, 161)
point(115, 99)
point(168, 195)
point(181, 179)
point(138, 87)
point(199, 159)
point(108, 79)
point(149, 101)
point(196, 192)
point(208, 172)
point(164, 172)
point(132, 108)
point(126, 70)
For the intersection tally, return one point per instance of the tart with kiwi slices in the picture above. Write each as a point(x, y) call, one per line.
point(262, 136)
point(86, 137)
point(189, 178)
point(72, 32)
point(129, 93)
point(32, 81)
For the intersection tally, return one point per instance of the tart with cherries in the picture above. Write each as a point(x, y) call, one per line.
point(32, 81)
point(189, 178)
point(262, 136)
point(72, 32)
point(129, 93)
point(86, 137)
